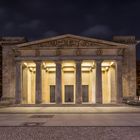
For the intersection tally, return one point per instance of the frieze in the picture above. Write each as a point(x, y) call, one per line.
point(37, 53)
point(68, 42)
point(58, 52)
point(78, 52)
point(99, 52)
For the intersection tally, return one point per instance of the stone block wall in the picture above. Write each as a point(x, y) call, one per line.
point(7, 65)
point(138, 74)
point(0, 71)
point(129, 65)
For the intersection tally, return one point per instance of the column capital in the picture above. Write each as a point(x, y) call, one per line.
point(58, 61)
point(98, 61)
point(78, 61)
point(38, 61)
point(118, 61)
point(18, 62)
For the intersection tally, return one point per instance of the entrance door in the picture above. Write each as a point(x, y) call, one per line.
point(69, 93)
point(85, 93)
point(52, 94)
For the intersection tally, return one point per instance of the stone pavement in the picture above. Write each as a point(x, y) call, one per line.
point(70, 120)
point(70, 110)
point(69, 133)
point(70, 123)
point(70, 116)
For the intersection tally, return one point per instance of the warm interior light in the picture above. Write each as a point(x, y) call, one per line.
point(105, 64)
point(68, 69)
point(86, 69)
point(107, 68)
point(88, 63)
point(50, 64)
point(111, 63)
point(25, 63)
point(51, 69)
point(65, 64)
point(32, 69)
point(31, 64)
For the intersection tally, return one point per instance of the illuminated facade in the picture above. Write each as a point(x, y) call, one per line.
point(69, 69)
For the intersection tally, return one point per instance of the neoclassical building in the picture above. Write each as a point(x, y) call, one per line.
point(68, 69)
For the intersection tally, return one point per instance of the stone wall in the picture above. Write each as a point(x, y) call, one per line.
point(129, 65)
point(0, 71)
point(8, 66)
point(138, 74)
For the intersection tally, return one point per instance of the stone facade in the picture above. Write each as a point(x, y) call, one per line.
point(16, 52)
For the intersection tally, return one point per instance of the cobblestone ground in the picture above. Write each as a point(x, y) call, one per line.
point(69, 133)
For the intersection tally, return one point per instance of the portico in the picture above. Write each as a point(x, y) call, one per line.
point(66, 82)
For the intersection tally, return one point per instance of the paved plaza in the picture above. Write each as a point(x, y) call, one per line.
point(70, 109)
point(70, 123)
point(69, 133)
point(70, 116)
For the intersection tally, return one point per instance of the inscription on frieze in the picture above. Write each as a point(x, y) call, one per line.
point(99, 52)
point(68, 42)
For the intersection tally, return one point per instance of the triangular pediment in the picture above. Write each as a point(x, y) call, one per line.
point(69, 40)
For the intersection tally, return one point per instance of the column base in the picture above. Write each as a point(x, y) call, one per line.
point(7, 100)
point(17, 102)
point(58, 100)
point(38, 102)
point(79, 101)
point(99, 101)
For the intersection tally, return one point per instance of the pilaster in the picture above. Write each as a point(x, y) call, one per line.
point(18, 82)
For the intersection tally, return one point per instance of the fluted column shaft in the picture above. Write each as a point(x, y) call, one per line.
point(78, 83)
point(58, 87)
point(38, 94)
point(98, 82)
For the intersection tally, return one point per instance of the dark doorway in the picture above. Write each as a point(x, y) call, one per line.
point(52, 94)
point(85, 93)
point(69, 93)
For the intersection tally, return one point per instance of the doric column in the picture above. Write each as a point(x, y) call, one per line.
point(38, 93)
point(78, 83)
point(58, 90)
point(113, 89)
point(18, 82)
point(98, 82)
point(119, 80)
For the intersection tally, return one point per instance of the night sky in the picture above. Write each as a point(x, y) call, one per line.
point(37, 19)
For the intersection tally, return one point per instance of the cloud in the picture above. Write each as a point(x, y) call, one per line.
point(50, 33)
point(31, 25)
point(98, 31)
